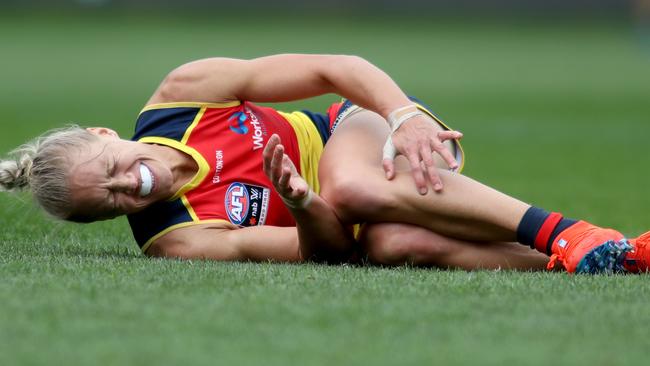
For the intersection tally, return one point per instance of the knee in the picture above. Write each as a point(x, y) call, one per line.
point(399, 244)
point(385, 244)
point(354, 197)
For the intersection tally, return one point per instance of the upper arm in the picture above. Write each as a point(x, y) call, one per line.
point(275, 78)
point(256, 243)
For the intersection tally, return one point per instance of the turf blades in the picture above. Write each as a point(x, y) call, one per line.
point(607, 258)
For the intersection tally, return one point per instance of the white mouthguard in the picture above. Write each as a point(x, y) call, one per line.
point(147, 181)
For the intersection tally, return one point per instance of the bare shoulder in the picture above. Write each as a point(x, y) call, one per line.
point(275, 78)
point(192, 82)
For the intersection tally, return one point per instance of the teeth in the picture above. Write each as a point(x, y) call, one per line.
point(147, 180)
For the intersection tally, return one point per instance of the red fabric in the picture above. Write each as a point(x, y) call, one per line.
point(235, 159)
point(333, 113)
point(546, 230)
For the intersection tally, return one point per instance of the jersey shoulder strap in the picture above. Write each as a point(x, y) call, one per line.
point(169, 121)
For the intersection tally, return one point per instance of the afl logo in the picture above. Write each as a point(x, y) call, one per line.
point(237, 203)
point(237, 125)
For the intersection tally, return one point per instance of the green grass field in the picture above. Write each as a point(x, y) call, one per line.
point(555, 114)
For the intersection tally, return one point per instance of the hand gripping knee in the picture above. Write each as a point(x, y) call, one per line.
point(395, 119)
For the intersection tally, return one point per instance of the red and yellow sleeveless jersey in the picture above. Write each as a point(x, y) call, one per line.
point(226, 141)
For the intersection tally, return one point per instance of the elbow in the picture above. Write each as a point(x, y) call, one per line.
point(169, 250)
point(347, 63)
point(341, 70)
point(350, 59)
point(332, 71)
point(353, 62)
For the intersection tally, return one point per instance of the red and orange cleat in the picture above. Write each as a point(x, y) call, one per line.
point(638, 260)
point(586, 248)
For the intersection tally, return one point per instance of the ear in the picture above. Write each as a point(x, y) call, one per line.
point(103, 131)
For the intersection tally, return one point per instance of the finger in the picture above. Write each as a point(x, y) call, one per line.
point(289, 163)
point(299, 186)
point(389, 168)
point(286, 165)
point(446, 155)
point(430, 165)
point(283, 182)
point(389, 153)
point(449, 135)
point(416, 170)
point(299, 192)
point(267, 154)
point(276, 164)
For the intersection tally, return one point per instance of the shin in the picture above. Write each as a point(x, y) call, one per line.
point(400, 244)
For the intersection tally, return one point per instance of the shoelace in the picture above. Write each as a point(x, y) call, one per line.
point(553, 261)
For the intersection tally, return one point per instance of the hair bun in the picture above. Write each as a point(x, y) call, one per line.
point(14, 174)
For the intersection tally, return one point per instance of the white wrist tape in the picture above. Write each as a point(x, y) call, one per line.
point(398, 114)
point(301, 203)
point(395, 119)
point(389, 149)
point(405, 118)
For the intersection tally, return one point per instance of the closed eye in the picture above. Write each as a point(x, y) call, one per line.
point(113, 168)
point(110, 200)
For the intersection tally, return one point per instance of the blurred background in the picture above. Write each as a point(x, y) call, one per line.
point(545, 91)
point(549, 7)
point(554, 100)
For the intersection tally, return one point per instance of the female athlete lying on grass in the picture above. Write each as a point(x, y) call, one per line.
point(211, 175)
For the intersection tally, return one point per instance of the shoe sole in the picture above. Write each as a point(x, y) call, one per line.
point(606, 258)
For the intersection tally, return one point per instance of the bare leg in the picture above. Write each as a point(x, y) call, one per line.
point(353, 181)
point(399, 244)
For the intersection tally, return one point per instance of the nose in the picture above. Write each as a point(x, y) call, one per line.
point(127, 183)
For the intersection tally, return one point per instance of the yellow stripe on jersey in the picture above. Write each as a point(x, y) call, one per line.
point(189, 208)
point(204, 168)
point(310, 145)
point(149, 107)
point(179, 226)
point(195, 122)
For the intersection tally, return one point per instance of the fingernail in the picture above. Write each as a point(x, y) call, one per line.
point(423, 191)
point(437, 186)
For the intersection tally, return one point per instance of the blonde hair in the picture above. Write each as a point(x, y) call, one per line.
point(42, 167)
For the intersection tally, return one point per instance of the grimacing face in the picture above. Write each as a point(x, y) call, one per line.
point(114, 177)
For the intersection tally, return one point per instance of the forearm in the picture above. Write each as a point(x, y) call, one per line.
point(321, 235)
point(365, 85)
point(282, 78)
